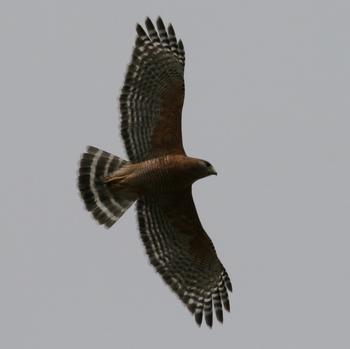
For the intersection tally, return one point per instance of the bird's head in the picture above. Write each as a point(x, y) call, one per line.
point(194, 168)
point(207, 169)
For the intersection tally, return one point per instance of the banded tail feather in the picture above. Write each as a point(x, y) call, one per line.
point(105, 204)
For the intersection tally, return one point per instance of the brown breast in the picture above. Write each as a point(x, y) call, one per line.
point(163, 174)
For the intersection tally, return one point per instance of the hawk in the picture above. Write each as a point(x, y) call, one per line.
point(158, 175)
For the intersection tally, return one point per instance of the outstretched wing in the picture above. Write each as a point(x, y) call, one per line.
point(153, 93)
point(183, 253)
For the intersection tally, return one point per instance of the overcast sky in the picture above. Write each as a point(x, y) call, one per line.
point(267, 103)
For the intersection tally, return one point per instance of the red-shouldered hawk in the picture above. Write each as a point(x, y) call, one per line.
point(159, 175)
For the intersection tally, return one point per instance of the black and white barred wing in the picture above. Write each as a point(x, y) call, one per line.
point(183, 254)
point(153, 93)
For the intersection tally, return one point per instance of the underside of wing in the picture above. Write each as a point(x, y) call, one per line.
point(153, 93)
point(183, 254)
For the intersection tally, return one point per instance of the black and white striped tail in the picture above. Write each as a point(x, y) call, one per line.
point(105, 206)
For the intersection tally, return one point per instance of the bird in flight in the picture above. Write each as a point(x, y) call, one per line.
point(158, 176)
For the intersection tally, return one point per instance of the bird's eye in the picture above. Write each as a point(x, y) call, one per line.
point(207, 164)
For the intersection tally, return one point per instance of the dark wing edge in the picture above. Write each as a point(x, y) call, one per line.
point(184, 255)
point(152, 96)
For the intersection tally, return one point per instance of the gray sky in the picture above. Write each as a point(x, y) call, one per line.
point(267, 103)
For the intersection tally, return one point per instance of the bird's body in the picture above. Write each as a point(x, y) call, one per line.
point(159, 176)
point(164, 174)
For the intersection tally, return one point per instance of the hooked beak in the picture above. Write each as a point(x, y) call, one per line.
point(213, 171)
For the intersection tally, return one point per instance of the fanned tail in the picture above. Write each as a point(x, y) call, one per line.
point(105, 204)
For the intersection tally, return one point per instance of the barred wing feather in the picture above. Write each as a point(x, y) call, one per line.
point(183, 254)
point(153, 93)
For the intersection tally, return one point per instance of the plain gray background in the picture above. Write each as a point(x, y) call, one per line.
point(267, 102)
